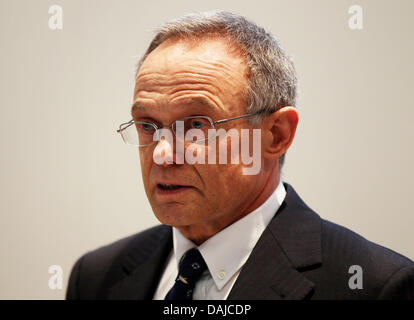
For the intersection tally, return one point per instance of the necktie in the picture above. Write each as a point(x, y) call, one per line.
point(191, 267)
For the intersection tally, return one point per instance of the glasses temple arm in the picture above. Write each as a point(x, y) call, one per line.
point(129, 122)
point(239, 117)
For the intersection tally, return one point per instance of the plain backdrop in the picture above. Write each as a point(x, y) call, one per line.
point(69, 184)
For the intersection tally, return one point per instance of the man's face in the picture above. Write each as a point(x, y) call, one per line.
point(182, 78)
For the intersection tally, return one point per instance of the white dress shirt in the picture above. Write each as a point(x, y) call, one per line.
point(224, 253)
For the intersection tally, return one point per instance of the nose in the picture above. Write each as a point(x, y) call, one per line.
point(163, 153)
point(166, 152)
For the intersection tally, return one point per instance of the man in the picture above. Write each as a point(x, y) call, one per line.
point(227, 233)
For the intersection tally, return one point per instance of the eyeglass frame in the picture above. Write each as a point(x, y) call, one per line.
point(172, 129)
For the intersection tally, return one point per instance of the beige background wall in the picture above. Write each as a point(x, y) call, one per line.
point(68, 183)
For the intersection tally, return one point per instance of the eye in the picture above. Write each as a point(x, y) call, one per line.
point(145, 127)
point(197, 124)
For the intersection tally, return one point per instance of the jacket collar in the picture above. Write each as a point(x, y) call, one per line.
point(291, 242)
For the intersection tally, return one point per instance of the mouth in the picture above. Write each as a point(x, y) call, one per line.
point(170, 189)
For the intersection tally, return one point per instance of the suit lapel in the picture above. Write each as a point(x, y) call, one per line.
point(291, 242)
point(143, 266)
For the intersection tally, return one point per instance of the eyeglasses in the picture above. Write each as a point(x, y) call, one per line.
point(141, 133)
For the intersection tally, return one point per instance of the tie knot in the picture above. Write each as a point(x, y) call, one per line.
point(192, 266)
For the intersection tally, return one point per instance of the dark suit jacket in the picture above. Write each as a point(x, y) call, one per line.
point(298, 256)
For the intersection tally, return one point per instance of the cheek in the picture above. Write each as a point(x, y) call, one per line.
point(221, 181)
point(145, 158)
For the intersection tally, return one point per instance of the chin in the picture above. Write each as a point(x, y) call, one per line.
point(174, 216)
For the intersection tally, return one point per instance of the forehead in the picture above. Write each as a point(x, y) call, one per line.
point(176, 53)
point(210, 61)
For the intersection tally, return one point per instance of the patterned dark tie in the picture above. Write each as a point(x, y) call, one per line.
point(192, 266)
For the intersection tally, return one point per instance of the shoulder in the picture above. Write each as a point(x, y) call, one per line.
point(385, 273)
point(342, 253)
point(351, 245)
point(105, 254)
point(93, 266)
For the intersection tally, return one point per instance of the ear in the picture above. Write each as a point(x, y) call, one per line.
point(278, 131)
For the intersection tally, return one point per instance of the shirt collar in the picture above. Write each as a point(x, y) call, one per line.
point(227, 251)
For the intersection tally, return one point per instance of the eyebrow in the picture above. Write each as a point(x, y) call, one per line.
point(137, 106)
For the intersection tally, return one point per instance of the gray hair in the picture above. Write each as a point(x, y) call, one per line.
point(271, 82)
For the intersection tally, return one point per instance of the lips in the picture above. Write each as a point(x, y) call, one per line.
point(170, 188)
